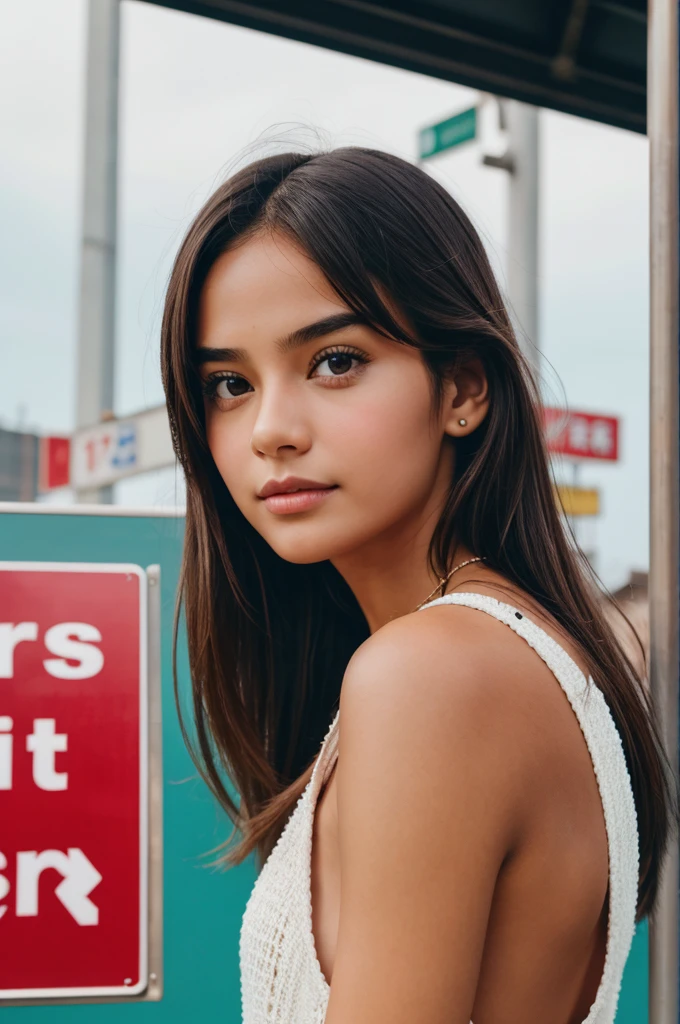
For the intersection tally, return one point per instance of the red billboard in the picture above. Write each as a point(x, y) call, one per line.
point(581, 435)
point(73, 780)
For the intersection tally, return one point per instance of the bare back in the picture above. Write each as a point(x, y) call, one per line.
point(467, 846)
point(547, 930)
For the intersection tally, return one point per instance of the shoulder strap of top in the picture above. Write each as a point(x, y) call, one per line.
point(563, 666)
point(611, 771)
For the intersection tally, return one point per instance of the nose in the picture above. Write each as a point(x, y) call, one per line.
point(281, 424)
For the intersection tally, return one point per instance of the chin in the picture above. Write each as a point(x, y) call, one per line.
point(302, 554)
point(302, 559)
point(306, 548)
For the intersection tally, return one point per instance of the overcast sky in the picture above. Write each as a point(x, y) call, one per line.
point(194, 93)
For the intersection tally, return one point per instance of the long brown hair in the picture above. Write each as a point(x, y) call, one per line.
point(269, 640)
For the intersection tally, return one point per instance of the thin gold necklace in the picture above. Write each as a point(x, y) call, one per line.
point(444, 580)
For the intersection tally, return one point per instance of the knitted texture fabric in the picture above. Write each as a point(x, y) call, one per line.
point(281, 978)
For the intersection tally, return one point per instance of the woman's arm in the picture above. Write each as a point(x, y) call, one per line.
point(429, 791)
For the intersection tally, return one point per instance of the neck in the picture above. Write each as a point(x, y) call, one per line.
point(389, 574)
point(391, 580)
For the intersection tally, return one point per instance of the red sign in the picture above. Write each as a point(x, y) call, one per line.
point(53, 463)
point(581, 435)
point(73, 769)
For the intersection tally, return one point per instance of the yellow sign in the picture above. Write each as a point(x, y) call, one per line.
point(579, 501)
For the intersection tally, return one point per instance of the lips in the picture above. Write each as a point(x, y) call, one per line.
point(291, 485)
point(295, 494)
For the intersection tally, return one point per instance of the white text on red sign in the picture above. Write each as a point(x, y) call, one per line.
point(75, 657)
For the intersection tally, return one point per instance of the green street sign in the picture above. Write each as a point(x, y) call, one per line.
point(447, 134)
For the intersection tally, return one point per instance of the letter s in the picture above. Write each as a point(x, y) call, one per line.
point(60, 640)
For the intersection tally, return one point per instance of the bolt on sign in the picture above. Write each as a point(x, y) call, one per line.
point(74, 840)
point(581, 435)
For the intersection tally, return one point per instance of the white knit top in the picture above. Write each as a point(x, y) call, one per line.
point(281, 978)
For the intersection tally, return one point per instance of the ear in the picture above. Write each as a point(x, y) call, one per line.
point(466, 401)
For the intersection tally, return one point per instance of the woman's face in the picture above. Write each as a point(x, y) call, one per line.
point(300, 398)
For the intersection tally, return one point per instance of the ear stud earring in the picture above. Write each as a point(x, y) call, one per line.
point(462, 423)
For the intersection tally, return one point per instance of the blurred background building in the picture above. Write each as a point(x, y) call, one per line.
point(18, 465)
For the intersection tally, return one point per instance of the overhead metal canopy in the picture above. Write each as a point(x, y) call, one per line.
point(584, 57)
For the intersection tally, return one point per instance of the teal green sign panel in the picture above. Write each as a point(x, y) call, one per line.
point(203, 906)
point(633, 1004)
point(447, 134)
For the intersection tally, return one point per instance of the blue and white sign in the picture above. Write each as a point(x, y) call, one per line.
point(109, 451)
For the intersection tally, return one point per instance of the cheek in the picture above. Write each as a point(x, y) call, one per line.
point(384, 436)
point(229, 449)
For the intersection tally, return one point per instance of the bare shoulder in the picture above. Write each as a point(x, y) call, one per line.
point(455, 653)
point(430, 732)
point(454, 685)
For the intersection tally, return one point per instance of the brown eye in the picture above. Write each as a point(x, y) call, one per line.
point(335, 364)
point(232, 386)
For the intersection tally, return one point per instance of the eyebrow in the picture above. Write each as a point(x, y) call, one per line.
point(297, 338)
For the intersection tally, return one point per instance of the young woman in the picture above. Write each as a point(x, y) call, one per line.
point(371, 526)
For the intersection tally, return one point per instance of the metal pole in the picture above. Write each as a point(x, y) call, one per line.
point(96, 323)
point(662, 128)
point(523, 200)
